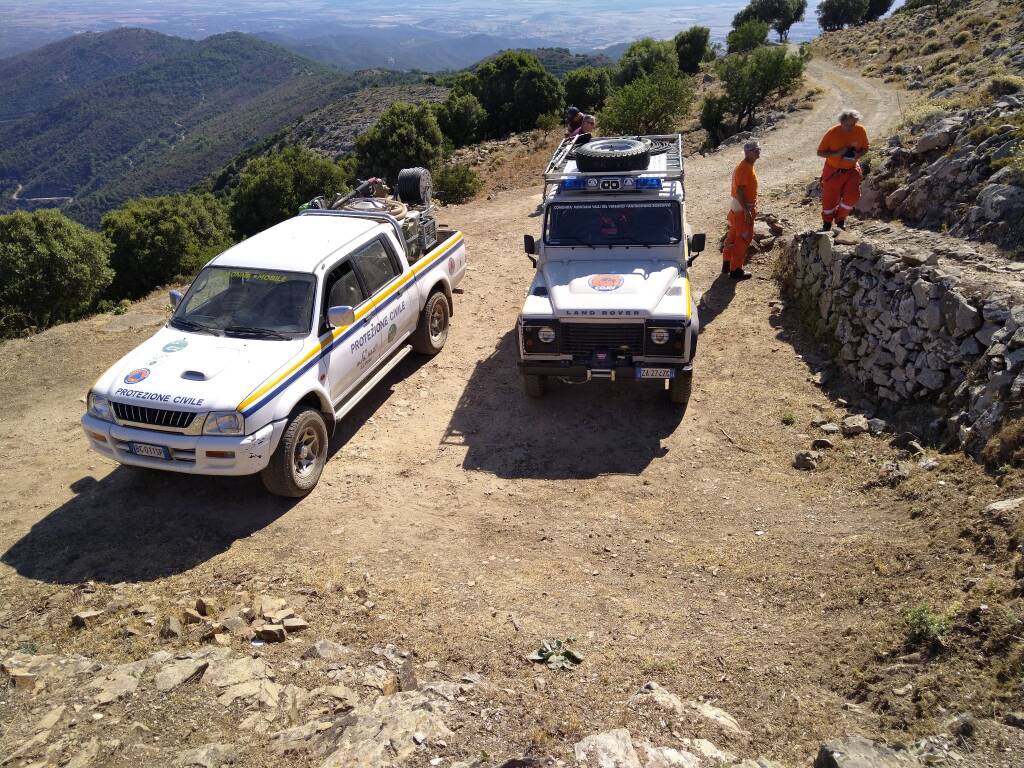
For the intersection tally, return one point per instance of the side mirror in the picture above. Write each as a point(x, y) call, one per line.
point(340, 316)
point(530, 246)
point(176, 297)
point(697, 243)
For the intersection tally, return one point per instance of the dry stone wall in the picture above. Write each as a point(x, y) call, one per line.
point(906, 329)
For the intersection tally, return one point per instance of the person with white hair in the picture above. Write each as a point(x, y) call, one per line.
point(742, 210)
point(842, 146)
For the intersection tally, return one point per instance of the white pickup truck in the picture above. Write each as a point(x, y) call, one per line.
point(279, 337)
point(611, 297)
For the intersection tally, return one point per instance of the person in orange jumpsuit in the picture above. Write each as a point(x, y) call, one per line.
point(842, 146)
point(742, 210)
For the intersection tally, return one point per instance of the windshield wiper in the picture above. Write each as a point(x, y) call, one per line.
point(192, 325)
point(576, 240)
point(631, 240)
point(254, 331)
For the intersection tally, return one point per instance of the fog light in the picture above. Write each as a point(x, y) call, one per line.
point(97, 437)
point(546, 335)
point(220, 454)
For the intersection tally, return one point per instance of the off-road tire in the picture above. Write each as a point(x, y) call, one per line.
point(602, 155)
point(293, 471)
point(534, 385)
point(414, 186)
point(679, 388)
point(432, 331)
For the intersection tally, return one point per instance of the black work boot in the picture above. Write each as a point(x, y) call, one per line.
point(841, 223)
point(740, 274)
point(725, 267)
point(825, 226)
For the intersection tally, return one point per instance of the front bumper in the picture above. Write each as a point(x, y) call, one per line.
point(576, 370)
point(188, 453)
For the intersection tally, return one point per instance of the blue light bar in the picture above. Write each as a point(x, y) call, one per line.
point(648, 182)
point(572, 184)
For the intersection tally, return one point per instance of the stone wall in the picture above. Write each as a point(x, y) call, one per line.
point(906, 330)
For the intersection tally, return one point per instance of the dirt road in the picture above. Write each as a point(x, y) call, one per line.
point(681, 548)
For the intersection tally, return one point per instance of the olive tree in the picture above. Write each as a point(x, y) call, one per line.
point(587, 87)
point(644, 57)
point(653, 103)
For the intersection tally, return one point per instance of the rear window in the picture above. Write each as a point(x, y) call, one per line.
point(655, 222)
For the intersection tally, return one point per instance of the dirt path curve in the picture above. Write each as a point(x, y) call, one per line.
point(679, 548)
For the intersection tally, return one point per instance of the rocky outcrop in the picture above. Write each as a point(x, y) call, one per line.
point(948, 175)
point(906, 329)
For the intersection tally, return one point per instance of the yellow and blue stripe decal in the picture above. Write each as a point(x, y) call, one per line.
point(267, 392)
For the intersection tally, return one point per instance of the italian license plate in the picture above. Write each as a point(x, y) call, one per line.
point(152, 451)
point(655, 373)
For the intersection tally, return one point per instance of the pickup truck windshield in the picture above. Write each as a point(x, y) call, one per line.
point(653, 222)
point(254, 303)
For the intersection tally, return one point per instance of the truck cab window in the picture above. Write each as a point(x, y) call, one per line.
point(376, 266)
point(341, 289)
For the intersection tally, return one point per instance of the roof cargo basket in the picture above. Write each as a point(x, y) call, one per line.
point(669, 145)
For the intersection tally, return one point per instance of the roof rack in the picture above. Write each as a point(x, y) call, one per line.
point(671, 145)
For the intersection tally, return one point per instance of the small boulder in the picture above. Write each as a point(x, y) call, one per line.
point(326, 650)
point(822, 444)
point(806, 460)
point(85, 619)
point(271, 633)
point(855, 425)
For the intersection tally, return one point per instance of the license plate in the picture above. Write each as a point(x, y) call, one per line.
point(655, 373)
point(152, 451)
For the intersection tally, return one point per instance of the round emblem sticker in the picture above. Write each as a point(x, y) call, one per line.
point(175, 346)
point(392, 332)
point(136, 376)
point(606, 282)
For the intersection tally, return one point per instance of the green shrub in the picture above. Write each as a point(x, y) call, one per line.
point(930, 47)
point(923, 626)
point(691, 48)
point(455, 184)
point(877, 9)
point(405, 136)
point(271, 188)
point(788, 419)
point(156, 239)
point(461, 118)
point(747, 36)
point(961, 38)
point(836, 14)
point(644, 57)
point(651, 104)
point(587, 87)
point(712, 118)
point(931, 32)
point(52, 269)
point(515, 89)
point(1004, 85)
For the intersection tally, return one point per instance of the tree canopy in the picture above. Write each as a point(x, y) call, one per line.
point(650, 104)
point(692, 48)
point(271, 188)
point(836, 14)
point(461, 118)
point(747, 36)
point(52, 269)
point(748, 81)
point(780, 15)
point(587, 87)
point(645, 56)
point(156, 239)
point(515, 89)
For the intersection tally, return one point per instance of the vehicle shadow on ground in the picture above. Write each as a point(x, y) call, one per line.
point(575, 431)
point(138, 525)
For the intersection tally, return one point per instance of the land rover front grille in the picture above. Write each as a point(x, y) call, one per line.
point(583, 339)
point(157, 417)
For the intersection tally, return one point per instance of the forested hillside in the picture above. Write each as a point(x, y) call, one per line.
point(188, 107)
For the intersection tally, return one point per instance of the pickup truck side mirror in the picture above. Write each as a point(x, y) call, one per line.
point(176, 297)
point(340, 316)
point(697, 243)
point(530, 246)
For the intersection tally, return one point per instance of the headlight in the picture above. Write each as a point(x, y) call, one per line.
point(546, 335)
point(659, 335)
point(99, 407)
point(224, 423)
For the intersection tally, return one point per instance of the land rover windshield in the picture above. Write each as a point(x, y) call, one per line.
point(252, 303)
point(595, 223)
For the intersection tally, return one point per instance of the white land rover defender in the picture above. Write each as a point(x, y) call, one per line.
point(611, 297)
point(280, 336)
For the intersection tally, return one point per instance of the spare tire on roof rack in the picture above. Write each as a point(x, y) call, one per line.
point(414, 186)
point(613, 154)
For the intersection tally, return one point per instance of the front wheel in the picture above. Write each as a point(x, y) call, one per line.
point(679, 388)
point(299, 460)
point(432, 331)
point(534, 385)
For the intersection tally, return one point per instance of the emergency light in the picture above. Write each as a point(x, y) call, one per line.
point(572, 184)
point(609, 184)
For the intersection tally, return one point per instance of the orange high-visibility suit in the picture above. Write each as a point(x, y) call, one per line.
point(841, 176)
point(741, 222)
